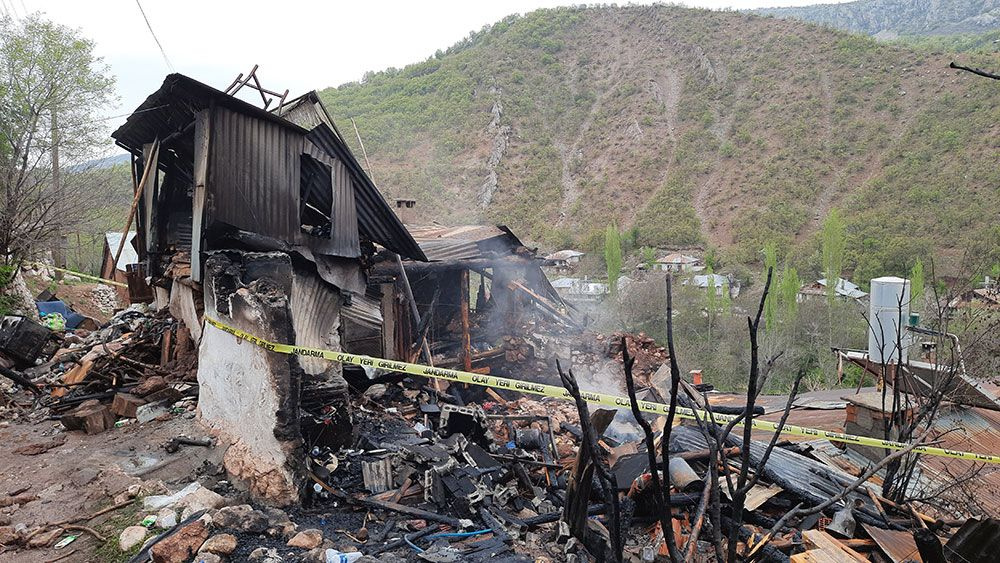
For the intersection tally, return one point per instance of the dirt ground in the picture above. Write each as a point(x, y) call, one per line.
point(84, 474)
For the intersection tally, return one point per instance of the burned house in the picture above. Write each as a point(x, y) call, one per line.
point(473, 300)
point(264, 221)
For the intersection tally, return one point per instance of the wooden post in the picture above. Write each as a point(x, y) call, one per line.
point(416, 316)
point(151, 163)
point(464, 304)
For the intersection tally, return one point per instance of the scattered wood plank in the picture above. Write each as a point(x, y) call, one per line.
point(125, 404)
point(897, 545)
point(92, 418)
point(75, 375)
point(815, 556)
point(823, 541)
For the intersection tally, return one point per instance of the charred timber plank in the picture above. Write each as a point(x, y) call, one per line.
point(464, 305)
point(582, 478)
point(391, 506)
point(544, 304)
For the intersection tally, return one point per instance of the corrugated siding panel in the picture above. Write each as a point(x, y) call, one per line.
point(315, 308)
point(346, 241)
point(254, 175)
point(375, 218)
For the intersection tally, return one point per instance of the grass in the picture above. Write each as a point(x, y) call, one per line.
point(110, 551)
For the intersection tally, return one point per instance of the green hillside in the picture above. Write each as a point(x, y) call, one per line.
point(690, 127)
point(890, 18)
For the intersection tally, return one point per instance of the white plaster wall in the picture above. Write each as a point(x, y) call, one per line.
point(238, 400)
point(236, 392)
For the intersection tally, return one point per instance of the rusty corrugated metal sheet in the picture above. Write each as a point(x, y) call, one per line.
point(465, 242)
point(956, 427)
point(897, 544)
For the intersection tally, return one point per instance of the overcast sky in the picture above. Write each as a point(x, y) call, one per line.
point(299, 45)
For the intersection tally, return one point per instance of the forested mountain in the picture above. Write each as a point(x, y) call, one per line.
point(891, 18)
point(689, 127)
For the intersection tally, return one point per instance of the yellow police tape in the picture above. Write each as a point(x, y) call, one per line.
point(84, 276)
point(591, 397)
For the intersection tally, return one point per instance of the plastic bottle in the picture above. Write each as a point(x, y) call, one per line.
point(334, 556)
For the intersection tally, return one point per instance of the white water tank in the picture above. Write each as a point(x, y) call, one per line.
point(888, 314)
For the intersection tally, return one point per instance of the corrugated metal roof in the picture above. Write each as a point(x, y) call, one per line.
point(465, 242)
point(677, 258)
point(173, 106)
point(564, 255)
point(957, 428)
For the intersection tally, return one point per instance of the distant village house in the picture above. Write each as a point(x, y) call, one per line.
point(844, 290)
point(678, 262)
point(564, 259)
point(719, 281)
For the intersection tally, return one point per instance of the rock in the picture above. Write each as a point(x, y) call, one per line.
point(182, 545)
point(83, 476)
point(279, 525)
point(150, 412)
point(151, 384)
point(206, 557)
point(265, 555)
point(166, 518)
point(131, 537)
point(307, 539)
point(8, 535)
point(241, 517)
point(221, 544)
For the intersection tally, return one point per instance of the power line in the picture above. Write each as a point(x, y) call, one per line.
point(151, 32)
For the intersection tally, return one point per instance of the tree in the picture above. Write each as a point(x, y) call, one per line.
point(917, 283)
point(711, 298)
point(52, 90)
point(712, 257)
point(833, 241)
point(770, 304)
point(789, 291)
point(649, 257)
point(613, 256)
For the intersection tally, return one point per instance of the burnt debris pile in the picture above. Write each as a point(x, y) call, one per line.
point(140, 365)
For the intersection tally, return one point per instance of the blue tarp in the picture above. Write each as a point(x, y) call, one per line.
point(73, 319)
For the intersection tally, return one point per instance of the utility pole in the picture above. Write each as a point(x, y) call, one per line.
point(57, 251)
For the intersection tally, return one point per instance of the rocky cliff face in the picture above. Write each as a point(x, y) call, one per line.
point(891, 18)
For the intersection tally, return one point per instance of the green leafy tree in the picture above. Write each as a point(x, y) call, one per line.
point(833, 239)
point(613, 256)
point(53, 89)
point(917, 283)
point(711, 298)
point(771, 303)
point(649, 257)
point(789, 290)
point(711, 257)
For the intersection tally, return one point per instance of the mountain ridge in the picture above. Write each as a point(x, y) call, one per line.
point(888, 19)
point(688, 127)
